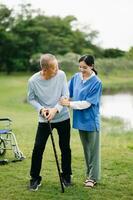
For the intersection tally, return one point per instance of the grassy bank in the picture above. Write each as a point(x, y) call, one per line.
point(117, 154)
point(117, 82)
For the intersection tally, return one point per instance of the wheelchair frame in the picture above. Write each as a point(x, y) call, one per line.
point(8, 140)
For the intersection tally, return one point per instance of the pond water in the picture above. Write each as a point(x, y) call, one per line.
point(118, 105)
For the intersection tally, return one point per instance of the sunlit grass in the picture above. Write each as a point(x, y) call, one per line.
point(116, 151)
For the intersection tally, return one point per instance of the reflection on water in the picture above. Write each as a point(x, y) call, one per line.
point(118, 105)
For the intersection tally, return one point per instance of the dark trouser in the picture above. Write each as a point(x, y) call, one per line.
point(43, 132)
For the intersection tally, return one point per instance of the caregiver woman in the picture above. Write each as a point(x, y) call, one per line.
point(85, 91)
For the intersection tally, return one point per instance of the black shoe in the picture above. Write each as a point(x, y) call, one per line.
point(66, 181)
point(34, 184)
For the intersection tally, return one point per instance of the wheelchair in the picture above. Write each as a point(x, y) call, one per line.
point(8, 140)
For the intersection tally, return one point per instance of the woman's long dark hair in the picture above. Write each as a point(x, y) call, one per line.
point(89, 60)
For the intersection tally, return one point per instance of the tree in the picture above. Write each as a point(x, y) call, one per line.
point(129, 54)
point(6, 38)
point(30, 33)
point(113, 53)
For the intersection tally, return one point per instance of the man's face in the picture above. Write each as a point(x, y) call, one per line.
point(52, 70)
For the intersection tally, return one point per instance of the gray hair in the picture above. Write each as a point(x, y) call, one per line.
point(46, 59)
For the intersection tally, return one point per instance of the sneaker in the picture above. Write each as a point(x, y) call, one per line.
point(34, 184)
point(66, 181)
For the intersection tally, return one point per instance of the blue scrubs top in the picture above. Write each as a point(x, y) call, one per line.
point(87, 119)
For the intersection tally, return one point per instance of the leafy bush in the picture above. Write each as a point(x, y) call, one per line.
point(69, 62)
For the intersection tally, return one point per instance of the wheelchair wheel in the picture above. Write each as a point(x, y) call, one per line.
point(2, 147)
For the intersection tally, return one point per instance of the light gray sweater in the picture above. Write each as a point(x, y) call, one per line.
point(46, 94)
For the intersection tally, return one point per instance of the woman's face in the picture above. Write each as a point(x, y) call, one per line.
point(84, 68)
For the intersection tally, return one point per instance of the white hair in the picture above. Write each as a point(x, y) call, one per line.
point(45, 59)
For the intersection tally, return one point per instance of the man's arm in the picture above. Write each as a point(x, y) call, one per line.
point(64, 92)
point(31, 98)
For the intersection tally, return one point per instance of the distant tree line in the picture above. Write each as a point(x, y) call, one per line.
point(27, 34)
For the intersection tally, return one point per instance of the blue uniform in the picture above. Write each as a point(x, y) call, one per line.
point(87, 120)
point(90, 90)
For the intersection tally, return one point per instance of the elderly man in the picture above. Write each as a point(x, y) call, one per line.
point(45, 88)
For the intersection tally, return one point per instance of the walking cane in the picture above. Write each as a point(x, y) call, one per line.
point(56, 157)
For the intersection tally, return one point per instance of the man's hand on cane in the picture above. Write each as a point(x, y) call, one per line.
point(48, 113)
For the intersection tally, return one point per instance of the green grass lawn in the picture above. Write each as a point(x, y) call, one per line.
point(116, 151)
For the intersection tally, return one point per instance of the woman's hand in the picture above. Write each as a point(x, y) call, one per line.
point(64, 102)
